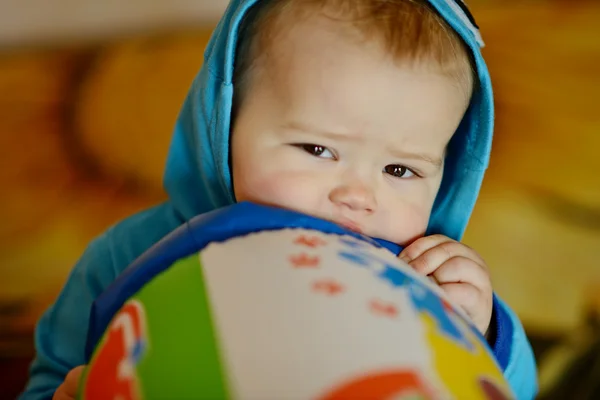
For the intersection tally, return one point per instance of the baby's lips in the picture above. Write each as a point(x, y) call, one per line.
point(353, 226)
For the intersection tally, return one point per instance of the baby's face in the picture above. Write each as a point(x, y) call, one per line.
point(332, 128)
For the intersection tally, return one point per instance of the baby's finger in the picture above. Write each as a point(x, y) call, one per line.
point(433, 258)
point(467, 296)
point(421, 245)
point(71, 383)
point(476, 305)
point(464, 270)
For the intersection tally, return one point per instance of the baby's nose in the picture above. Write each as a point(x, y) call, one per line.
point(356, 197)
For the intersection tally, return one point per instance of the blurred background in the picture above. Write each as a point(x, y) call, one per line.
point(89, 92)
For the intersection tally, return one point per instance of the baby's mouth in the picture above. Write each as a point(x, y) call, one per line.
point(353, 226)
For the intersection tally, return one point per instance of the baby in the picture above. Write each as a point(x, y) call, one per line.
point(375, 114)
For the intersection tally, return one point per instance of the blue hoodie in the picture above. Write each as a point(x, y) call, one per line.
point(197, 179)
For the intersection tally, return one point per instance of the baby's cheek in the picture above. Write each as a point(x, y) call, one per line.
point(410, 223)
point(281, 189)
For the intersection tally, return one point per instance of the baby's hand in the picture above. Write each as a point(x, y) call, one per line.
point(459, 271)
point(68, 389)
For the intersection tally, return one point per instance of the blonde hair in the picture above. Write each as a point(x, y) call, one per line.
point(410, 31)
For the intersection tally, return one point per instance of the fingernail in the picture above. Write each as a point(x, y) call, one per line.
point(404, 258)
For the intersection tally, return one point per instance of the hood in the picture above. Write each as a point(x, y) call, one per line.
point(197, 176)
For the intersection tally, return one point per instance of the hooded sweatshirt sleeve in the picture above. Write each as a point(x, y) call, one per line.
point(513, 351)
point(61, 333)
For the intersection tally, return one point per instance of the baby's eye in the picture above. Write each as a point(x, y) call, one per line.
point(316, 150)
point(399, 171)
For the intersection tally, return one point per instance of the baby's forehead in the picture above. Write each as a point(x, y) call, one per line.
point(406, 30)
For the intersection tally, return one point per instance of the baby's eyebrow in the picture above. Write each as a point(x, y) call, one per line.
point(433, 160)
point(302, 127)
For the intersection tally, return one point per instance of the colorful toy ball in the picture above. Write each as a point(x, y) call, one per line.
point(250, 302)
